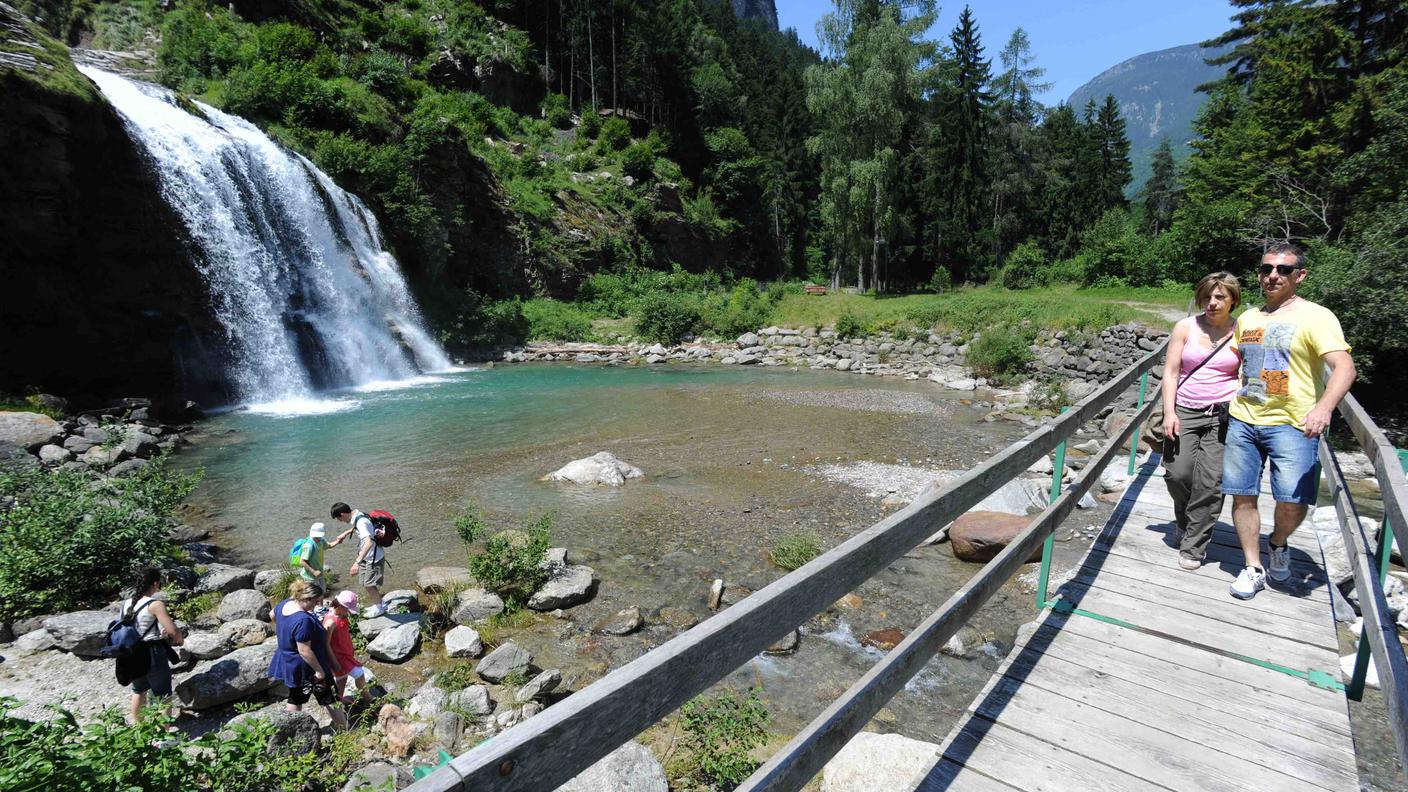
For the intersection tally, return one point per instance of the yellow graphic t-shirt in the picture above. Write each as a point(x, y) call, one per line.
point(1283, 362)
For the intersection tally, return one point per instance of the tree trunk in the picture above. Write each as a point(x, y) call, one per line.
point(591, 57)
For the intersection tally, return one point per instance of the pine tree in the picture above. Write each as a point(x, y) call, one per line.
point(1016, 145)
point(1114, 167)
point(1161, 191)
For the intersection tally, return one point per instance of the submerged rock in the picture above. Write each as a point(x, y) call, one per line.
point(599, 468)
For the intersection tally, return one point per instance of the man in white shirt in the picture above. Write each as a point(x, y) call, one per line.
point(370, 564)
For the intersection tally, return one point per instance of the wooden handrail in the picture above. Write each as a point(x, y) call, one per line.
point(554, 746)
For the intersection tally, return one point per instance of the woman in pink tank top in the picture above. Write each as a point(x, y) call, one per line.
point(1200, 378)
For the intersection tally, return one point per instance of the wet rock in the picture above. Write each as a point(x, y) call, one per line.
point(435, 579)
point(884, 639)
point(224, 579)
point(208, 645)
point(979, 536)
point(243, 604)
point(401, 601)
point(295, 733)
point(849, 602)
point(539, 686)
point(80, 632)
point(625, 622)
point(245, 632)
point(239, 674)
point(476, 604)
point(30, 431)
point(572, 586)
point(463, 641)
point(505, 660)
point(716, 594)
point(876, 761)
point(735, 594)
point(474, 700)
point(630, 768)
point(966, 641)
point(599, 468)
point(786, 645)
point(371, 629)
point(397, 644)
point(675, 618)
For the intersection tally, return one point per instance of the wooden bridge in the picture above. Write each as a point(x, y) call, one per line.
point(1136, 674)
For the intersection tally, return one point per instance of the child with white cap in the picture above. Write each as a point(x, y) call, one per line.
point(309, 553)
point(339, 630)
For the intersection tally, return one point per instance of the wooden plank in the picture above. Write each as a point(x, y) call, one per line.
point(1277, 747)
point(1223, 609)
point(1209, 680)
point(805, 754)
point(551, 748)
point(950, 776)
point(1144, 751)
point(1311, 611)
point(1216, 635)
point(1226, 563)
point(1224, 532)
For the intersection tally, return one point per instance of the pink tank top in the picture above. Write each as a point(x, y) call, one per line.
point(1215, 382)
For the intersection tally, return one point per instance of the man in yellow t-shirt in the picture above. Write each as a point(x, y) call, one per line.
point(1280, 411)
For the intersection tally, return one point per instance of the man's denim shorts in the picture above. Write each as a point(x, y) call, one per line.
point(1295, 466)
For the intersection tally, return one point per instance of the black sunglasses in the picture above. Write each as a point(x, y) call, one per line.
point(1284, 269)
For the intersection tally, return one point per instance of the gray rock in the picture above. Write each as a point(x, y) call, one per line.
point(139, 444)
point(99, 456)
point(78, 444)
point(747, 340)
point(397, 644)
point(844, 364)
point(37, 640)
point(539, 686)
point(625, 622)
point(243, 604)
point(13, 457)
point(371, 629)
point(473, 700)
point(30, 431)
point(80, 632)
point(239, 674)
point(599, 468)
point(224, 579)
point(504, 661)
point(448, 726)
point(208, 645)
point(427, 702)
point(630, 768)
point(51, 454)
point(245, 632)
point(876, 761)
point(785, 645)
point(266, 579)
point(475, 605)
point(401, 601)
point(572, 586)
point(435, 579)
point(745, 359)
point(463, 641)
point(127, 468)
point(294, 732)
point(375, 777)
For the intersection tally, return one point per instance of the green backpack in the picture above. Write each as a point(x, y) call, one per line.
point(295, 554)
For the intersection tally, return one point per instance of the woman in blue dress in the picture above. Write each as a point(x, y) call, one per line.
point(303, 660)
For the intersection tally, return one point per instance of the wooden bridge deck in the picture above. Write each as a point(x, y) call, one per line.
point(1151, 684)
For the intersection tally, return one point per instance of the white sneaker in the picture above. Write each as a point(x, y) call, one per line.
point(1248, 583)
point(373, 611)
point(1280, 567)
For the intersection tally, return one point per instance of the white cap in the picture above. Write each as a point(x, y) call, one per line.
point(317, 531)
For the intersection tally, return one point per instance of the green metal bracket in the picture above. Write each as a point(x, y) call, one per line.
point(1322, 680)
point(425, 770)
point(1134, 438)
point(1058, 471)
point(1355, 689)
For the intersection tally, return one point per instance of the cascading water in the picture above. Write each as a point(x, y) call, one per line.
point(300, 283)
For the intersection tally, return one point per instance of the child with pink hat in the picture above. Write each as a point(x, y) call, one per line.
point(340, 637)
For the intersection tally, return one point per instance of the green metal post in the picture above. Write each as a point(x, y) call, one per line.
point(1058, 471)
point(1134, 438)
point(1355, 689)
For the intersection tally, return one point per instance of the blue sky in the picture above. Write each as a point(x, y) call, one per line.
point(1074, 40)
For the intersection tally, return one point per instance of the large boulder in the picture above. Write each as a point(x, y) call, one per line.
point(266, 579)
point(223, 579)
point(29, 431)
point(371, 629)
point(294, 732)
point(245, 632)
point(876, 761)
point(630, 768)
point(401, 601)
point(463, 641)
point(208, 645)
point(238, 675)
point(507, 659)
point(14, 457)
point(599, 468)
point(397, 644)
point(434, 579)
point(427, 702)
point(572, 585)
point(980, 535)
point(243, 604)
point(51, 454)
point(474, 700)
point(140, 444)
point(80, 632)
point(476, 604)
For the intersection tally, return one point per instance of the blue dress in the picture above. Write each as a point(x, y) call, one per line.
point(287, 665)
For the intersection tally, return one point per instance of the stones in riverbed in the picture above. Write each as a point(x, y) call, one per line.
point(434, 579)
point(223, 579)
point(371, 629)
point(572, 585)
point(507, 659)
point(625, 622)
point(876, 761)
point(786, 645)
point(266, 579)
point(884, 640)
point(600, 468)
point(475, 605)
point(539, 686)
point(630, 768)
point(401, 601)
point(463, 641)
point(474, 700)
point(397, 644)
point(980, 535)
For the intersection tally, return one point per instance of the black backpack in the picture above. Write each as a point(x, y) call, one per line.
point(126, 644)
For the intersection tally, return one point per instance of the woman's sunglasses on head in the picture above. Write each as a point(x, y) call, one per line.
point(1283, 269)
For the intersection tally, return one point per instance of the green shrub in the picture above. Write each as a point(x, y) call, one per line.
point(1023, 266)
point(615, 135)
point(73, 538)
point(941, 281)
point(720, 734)
point(667, 318)
point(556, 111)
point(742, 309)
point(793, 550)
point(193, 607)
point(638, 161)
point(1071, 270)
point(553, 320)
point(512, 562)
point(470, 525)
point(1050, 395)
point(456, 678)
point(591, 124)
point(850, 325)
point(469, 322)
point(1001, 354)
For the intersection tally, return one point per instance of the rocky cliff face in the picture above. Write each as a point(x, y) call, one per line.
point(764, 11)
point(100, 298)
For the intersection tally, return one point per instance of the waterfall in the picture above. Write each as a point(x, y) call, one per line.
point(299, 281)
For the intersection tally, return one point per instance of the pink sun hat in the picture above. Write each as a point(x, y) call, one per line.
point(347, 599)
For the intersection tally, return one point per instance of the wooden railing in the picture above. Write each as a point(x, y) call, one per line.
point(1369, 558)
point(549, 749)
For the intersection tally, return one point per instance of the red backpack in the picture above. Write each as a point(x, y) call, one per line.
point(385, 530)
